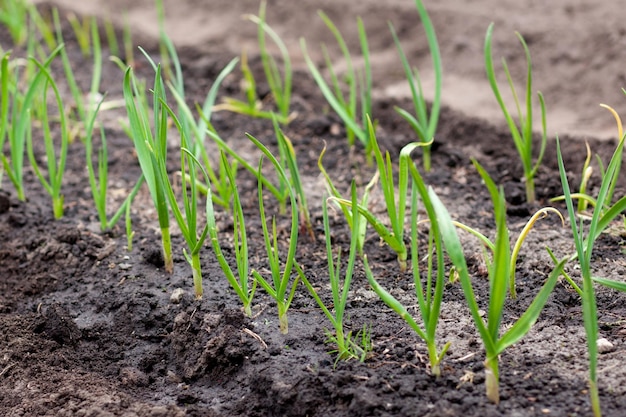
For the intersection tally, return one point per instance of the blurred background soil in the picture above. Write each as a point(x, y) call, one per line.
point(578, 47)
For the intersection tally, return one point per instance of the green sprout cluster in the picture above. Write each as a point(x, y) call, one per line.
point(158, 113)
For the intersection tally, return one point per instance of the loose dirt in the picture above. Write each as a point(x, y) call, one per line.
point(89, 328)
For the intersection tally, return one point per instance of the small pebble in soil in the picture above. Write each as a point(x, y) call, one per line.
point(177, 296)
point(604, 346)
point(69, 236)
point(133, 376)
point(172, 377)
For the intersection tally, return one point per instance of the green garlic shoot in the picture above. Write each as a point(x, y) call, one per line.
point(347, 347)
point(499, 276)
point(423, 122)
point(522, 135)
point(356, 107)
point(430, 295)
point(55, 162)
point(151, 148)
point(277, 288)
point(238, 278)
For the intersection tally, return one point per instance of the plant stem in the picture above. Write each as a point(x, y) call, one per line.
point(342, 350)
point(283, 319)
point(57, 206)
point(434, 358)
point(530, 189)
point(492, 379)
point(129, 229)
point(402, 261)
point(595, 399)
point(247, 309)
point(197, 274)
point(426, 158)
point(167, 249)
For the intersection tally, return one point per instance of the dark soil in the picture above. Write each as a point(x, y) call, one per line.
point(89, 328)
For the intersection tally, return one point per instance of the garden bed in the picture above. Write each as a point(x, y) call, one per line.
point(89, 328)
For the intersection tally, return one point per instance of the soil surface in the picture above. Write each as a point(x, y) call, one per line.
point(89, 328)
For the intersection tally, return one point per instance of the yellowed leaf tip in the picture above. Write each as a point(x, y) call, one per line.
point(620, 130)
